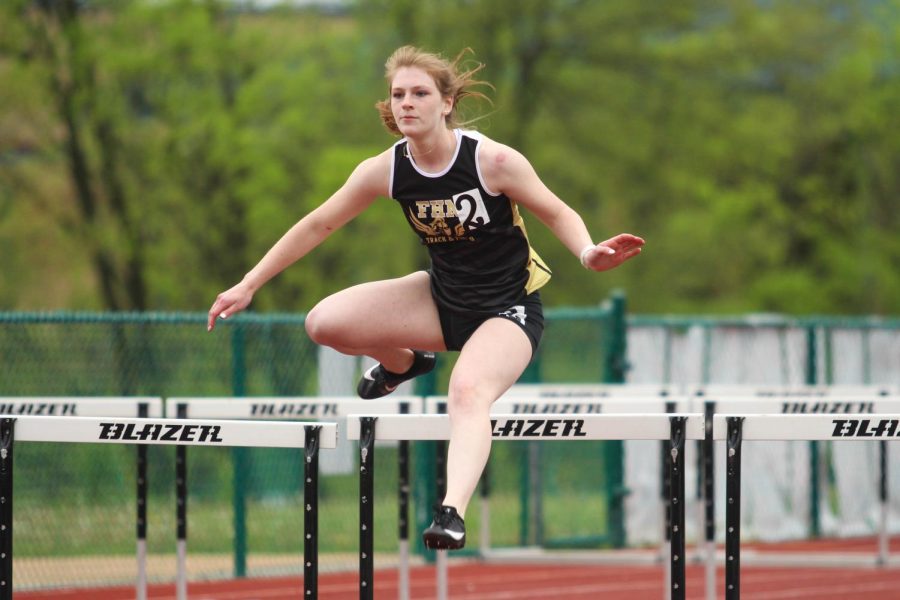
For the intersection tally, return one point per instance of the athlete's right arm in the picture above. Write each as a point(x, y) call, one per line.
point(367, 182)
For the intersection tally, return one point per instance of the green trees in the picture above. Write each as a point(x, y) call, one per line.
point(155, 150)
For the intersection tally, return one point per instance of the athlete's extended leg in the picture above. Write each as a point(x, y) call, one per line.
point(381, 319)
point(489, 363)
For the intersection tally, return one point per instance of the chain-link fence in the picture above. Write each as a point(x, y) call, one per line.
point(74, 518)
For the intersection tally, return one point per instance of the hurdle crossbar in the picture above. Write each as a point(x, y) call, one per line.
point(287, 408)
point(80, 406)
point(836, 427)
point(737, 428)
point(544, 427)
point(186, 432)
point(677, 428)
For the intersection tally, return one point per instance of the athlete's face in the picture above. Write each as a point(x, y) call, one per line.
point(416, 103)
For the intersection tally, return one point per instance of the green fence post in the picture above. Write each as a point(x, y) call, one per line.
point(616, 361)
point(812, 377)
point(239, 455)
point(614, 369)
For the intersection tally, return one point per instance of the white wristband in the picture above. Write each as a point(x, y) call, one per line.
point(584, 252)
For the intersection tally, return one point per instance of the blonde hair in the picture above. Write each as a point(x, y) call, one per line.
point(449, 78)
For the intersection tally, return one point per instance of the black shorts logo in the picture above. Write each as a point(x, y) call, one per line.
point(516, 313)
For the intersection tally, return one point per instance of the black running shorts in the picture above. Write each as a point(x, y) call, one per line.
point(527, 314)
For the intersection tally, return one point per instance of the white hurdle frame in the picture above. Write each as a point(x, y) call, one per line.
point(743, 399)
point(139, 431)
point(597, 398)
point(818, 404)
point(316, 407)
point(737, 428)
point(102, 406)
point(675, 427)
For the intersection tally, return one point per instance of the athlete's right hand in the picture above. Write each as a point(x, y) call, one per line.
point(229, 302)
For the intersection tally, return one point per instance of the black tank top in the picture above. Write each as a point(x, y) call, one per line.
point(481, 260)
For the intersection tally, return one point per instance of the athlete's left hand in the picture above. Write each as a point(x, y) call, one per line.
point(613, 252)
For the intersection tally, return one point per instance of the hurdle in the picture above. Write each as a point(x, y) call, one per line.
point(737, 428)
point(145, 431)
point(102, 406)
point(706, 399)
point(591, 399)
point(794, 401)
point(676, 428)
point(294, 408)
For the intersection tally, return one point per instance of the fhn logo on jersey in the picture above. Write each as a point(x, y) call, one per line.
point(526, 428)
point(865, 428)
point(452, 219)
point(160, 432)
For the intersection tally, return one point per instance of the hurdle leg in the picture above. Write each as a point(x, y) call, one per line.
point(7, 435)
point(708, 452)
point(181, 519)
point(733, 510)
point(403, 518)
point(141, 586)
point(440, 564)
point(665, 551)
point(366, 508)
point(676, 501)
point(311, 514)
point(181, 514)
point(665, 555)
point(883, 535)
point(700, 510)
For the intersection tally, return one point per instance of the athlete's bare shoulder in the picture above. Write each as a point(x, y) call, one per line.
point(500, 163)
point(372, 175)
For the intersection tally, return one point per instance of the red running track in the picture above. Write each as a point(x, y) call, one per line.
point(495, 581)
point(478, 581)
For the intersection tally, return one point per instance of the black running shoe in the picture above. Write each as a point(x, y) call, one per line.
point(378, 381)
point(447, 530)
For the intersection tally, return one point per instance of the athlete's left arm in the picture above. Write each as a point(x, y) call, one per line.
point(507, 171)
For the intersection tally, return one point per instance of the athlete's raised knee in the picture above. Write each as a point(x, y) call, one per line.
point(323, 328)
